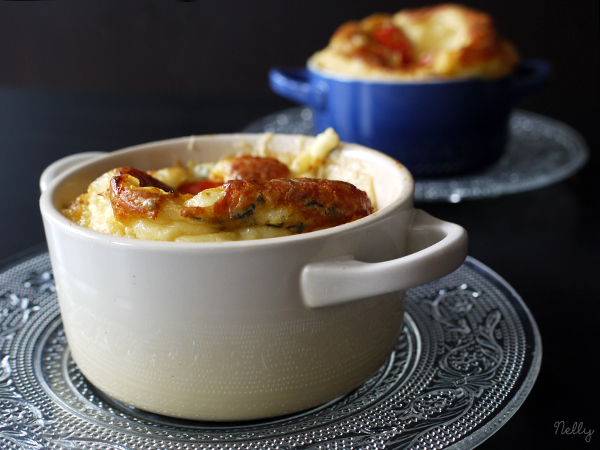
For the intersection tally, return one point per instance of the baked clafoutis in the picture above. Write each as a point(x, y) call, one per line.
point(441, 41)
point(250, 194)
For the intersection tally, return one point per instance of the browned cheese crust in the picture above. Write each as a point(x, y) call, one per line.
point(444, 39)
point(129, 202)
point(247, 166)
point(301, 204)
point(298, 205)
point(376, 41)
point(484, 44)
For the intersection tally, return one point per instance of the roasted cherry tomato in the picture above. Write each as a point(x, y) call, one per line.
point(394, 39)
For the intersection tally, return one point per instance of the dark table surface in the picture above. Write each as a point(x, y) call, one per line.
point(545, 242)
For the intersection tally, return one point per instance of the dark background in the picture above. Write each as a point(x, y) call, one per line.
point(101, 75)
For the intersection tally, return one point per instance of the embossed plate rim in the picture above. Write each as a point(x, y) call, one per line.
point(528, 377)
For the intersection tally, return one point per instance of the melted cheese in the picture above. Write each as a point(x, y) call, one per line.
point(94, 210)
point(446, 40)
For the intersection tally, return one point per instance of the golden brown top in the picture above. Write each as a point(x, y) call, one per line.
point(248, 166)
point(376, 41)
point(420, 43)
point(239, 197)
point(298, 205)
point(135, 194)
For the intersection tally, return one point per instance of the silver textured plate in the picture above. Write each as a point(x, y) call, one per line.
point(467, 357)
point(541, 151)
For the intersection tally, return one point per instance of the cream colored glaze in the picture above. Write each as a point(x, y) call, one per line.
point(223, 331)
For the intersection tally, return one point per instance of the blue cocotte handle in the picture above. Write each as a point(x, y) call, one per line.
point(295, 84)
point(531, 76)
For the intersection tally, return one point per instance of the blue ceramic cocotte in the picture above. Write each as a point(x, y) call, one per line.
point(435, 128)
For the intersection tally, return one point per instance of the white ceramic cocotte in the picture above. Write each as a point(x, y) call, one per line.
point(239, 330)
